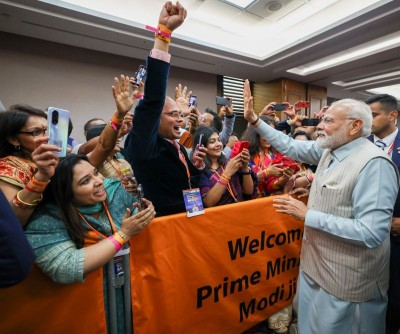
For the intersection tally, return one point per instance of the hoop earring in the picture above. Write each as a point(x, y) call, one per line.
point(17, 147)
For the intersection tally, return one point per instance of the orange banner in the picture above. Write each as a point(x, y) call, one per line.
point(222, 272)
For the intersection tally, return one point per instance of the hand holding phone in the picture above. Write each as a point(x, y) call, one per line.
point(279, 106)
point(244, 144)
point(57, 129)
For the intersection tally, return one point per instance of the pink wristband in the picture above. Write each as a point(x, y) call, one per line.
point(139, 96)
point(117, 245)
point(222, 183)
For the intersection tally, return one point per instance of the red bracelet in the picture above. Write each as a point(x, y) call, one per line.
point(33, 190)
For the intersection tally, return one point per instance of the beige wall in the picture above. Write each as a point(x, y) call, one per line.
point(44, 74)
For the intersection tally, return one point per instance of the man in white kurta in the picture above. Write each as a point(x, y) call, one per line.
point(343, 276)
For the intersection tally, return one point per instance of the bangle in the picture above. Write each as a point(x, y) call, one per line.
point(245, 173)
point(123, 236)
point(39, 185)
point(253, 123)
point(117, 237)
point(117, 245)
point(23, 205)
point(116, 120)
point(222, 182)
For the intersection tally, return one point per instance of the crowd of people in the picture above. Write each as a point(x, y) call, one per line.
point(76, 214)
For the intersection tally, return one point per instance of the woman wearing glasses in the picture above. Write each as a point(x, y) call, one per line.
point(27, 162)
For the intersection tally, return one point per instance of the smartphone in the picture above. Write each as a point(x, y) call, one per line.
point(200, 139)
point(140, 74)
point(280, 106)
point(244, 144)
point(310, 122)
point(139, 195)
point(57, 129)
point(193, 101)
point(222, 101)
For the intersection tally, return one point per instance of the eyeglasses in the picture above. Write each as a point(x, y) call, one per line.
point(175, 114)
point(329, 121)
point(35, 133)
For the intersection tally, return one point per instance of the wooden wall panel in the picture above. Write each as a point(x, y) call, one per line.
point(317, 96)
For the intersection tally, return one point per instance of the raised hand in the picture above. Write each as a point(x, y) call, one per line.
point(122, 96)
point(193, 120)
point(249, 113)
point(182, 98)
point(172, 16)
point(45, 158)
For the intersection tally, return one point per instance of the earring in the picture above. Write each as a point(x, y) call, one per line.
point(17, 147)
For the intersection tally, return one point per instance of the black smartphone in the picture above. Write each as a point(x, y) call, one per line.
point(310, 122)
point(193, 101)
point(57, 129)
point(280, 106)
point(140, 74)
point(222, 101)
point(200, 139)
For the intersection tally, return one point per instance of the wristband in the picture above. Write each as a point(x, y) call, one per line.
point(139, 96)
point(222, 182)
point(117, 245)
point(33, 190)
point(123, 236)
point(116, 120)
point(114, 126)
point(245, 173)
point(118, 237)
point(253, 123)
point(39, 185)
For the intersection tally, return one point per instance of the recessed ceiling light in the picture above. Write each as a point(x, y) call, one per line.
point(363, 50)
point(391, 90)
point(240, 3)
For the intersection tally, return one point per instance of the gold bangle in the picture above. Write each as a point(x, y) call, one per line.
point(29, 205)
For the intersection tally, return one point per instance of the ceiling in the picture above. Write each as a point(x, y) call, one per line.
point(257, 43)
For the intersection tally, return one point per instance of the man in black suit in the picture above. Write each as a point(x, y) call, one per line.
point(386, 135)
point(161, 165)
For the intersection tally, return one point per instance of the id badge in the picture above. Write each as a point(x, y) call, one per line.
point(193, 202)
point(119, 271)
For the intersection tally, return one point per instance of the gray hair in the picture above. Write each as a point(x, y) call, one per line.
point(359, 110)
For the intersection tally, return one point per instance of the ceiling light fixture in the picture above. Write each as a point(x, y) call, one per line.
point(391, 90)
point(240, 3)
point(378, 45)
point(369, 80)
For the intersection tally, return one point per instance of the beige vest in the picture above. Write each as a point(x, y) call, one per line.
point(346, 271)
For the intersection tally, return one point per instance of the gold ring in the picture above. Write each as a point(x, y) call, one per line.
point(145, 223)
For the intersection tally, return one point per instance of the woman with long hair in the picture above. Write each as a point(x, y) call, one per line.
point(223, 181)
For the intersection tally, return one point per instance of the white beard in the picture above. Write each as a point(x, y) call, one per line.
point(334, 141)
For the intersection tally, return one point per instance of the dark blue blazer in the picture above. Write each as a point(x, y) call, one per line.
point(396, 161)
point(16, 255)
point(155, 160)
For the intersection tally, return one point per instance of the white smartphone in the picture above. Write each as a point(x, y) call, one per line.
point(57, 129)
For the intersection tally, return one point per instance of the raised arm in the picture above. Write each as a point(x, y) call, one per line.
point(108, 138)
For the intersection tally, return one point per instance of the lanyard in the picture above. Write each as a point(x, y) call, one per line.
point(99, 234)
point(183, 160)
point(116, 168)
point(230, 190)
